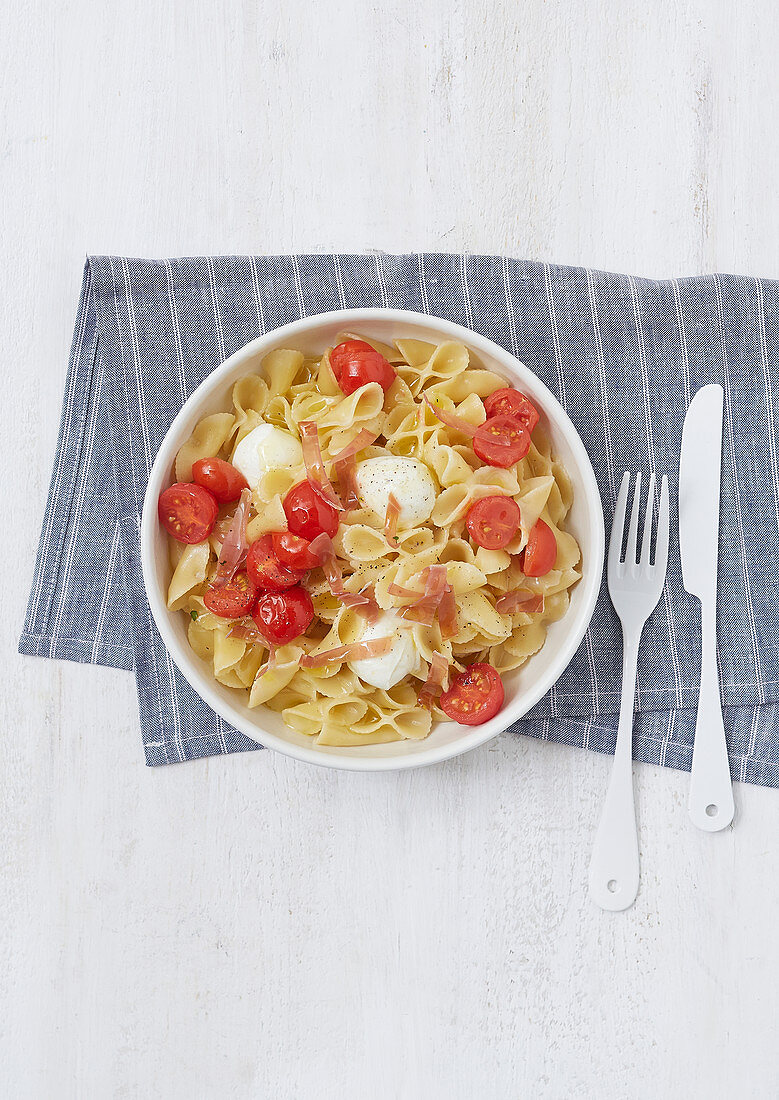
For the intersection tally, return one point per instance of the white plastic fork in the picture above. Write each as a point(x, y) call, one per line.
point(634, 586)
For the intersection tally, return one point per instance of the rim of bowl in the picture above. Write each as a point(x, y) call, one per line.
point(475, 735)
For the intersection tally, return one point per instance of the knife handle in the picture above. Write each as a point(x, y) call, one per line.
point(711, 790)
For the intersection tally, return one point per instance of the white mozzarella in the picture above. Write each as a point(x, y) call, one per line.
point(401, 658)
point(409, 481)
point(266, 448)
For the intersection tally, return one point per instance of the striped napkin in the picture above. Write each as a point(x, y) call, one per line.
point(623, 355)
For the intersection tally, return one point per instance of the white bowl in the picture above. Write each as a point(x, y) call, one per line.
point(523, 687)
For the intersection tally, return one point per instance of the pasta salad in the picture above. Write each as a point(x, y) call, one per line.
point(368, 540)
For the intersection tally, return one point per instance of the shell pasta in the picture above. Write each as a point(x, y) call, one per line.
point(366, 541)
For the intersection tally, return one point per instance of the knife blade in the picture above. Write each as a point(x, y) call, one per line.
point(699, 491)
point(711, 793)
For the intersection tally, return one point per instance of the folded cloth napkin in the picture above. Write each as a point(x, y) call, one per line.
point(623, 355)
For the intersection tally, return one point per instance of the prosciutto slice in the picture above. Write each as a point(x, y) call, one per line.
point(315, 466)
point(357, 651)
point(521, 599)
point(234, 544)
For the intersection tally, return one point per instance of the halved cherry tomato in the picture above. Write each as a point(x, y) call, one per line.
point(476, 695)
point(356, 363)
point(307, 514)
point(220, 478)
point(501, 441)
point(511, 402)
point(293, 551)
point(266, 570)
point(283, 616)
point(493, 521)
point(234, 599)
point(540, 554)
point(187, 512)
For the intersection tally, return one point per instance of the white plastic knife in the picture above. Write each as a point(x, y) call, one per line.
point(711, 791)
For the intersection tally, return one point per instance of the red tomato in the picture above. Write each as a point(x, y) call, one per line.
point(501, 441)
point(293, 551)
point(493, 521)
point(283, 616)
point(266, 570)
point(356, 363)
point(510, 402)
point(540, 554)
point(476, 695)
point(187, 512)
point(307, 514)
point(220, 478)
point(234, 599)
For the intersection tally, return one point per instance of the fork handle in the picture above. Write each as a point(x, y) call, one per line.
point(614, 863)
point(711, 790)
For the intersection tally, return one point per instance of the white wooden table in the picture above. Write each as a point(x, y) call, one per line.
point(250, 927)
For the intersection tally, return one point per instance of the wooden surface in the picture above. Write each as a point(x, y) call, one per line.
point(250, 927)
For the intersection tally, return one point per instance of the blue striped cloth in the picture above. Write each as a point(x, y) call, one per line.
point(624, 356)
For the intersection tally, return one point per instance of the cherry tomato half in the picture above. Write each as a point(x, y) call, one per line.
point(476, 695)
point(493, 521)
point(266, 570)
point(187, 512)
point(293, 551)
point(501, 441)
point(540, 554)
point(283, 616)
point(220, 478)
point(234, 599)
point(510, 402)
point(307, 514)
point(356, 363)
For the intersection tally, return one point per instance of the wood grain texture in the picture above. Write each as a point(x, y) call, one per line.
point(250, 927)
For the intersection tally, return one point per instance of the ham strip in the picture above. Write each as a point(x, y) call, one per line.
point(363, 439)
point(391, 520)
point(315, 466)
point(357, 651)
point(521, 599)
point(346, 472)
point(361, 602)
point(234, 544)
point(447, 613)
point(424, 608)
point(435, 682)
point(245, 631)
point(457, 422)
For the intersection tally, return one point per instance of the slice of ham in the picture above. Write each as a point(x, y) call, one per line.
point(457, 422)
point(391, 520)
point(346, 472)
point(438, 596)
point(363, 439)
point(315, 466)
point(521, 599)
point(271, 662)
point(361, 602)
point(436, 681)
point(246, 631)
point(404, 593)
point(234, 544)
point(447, 613)
point(424, 608)
point(357, 651)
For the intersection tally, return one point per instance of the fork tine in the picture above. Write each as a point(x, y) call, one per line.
point(618, 526)
point(630, 551)
point(663, 520)
point(646, 542)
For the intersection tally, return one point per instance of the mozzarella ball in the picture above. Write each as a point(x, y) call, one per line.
point(409, 481)
point(400, 660)
point(266, 448)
